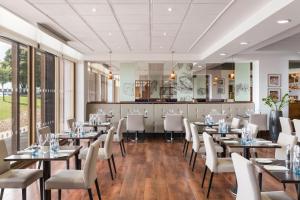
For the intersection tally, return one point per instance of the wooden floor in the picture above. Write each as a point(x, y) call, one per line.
point(152, 170)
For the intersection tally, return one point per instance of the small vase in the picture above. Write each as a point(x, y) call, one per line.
point(274, 124)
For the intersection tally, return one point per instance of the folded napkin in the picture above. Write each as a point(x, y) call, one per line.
point(263, 141)
point(65, 150)
point(224, 138)
point(199, 123)
point(210, 129)
point(29, 151)
point(105, 123)
point(231, 141)
point(236, 130)
point(275, 168)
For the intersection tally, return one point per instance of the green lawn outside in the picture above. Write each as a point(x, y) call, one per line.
point(5, 106)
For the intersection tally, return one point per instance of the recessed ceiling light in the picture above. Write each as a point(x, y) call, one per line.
point(160, 47)
point(165, 34)
point(284, 21)
point(243, 43)
point(170, 9)
point(223, 54)
point(109, 33)
point(94, 9)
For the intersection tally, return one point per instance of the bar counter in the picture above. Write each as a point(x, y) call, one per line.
point(155, 110)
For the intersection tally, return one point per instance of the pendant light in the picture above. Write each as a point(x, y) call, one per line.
point(172, 75)
point(110, 75)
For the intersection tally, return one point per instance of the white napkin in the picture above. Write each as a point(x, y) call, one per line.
point(236, 130)
point(263, 141)
point(231, 141)
point(66, 150)
point(275, 168)
point(210, 129)
point(199, 123)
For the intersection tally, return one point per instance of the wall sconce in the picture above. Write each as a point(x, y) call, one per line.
point(231, 76)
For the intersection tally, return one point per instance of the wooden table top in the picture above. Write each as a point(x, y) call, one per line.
point(285, 176)
point(88, 135)
point(257, 143)
point(64, 153)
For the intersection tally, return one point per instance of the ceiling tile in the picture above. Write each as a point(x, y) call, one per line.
point(131, 9)
point(87, 9)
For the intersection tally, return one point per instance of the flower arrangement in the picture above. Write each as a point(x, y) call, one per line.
point(275, 104)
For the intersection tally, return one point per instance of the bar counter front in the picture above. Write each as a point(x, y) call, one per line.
point(155, 110)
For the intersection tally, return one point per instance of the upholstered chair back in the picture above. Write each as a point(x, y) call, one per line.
point(135, 122)
point(297, 127)
point(108, 144)
point(286, 125)
point(173, 122)
point(211, 154)
point(4, 166)
point(195, 136)
point(121, 129)
point(188, 134)
point(284, 140)
point(253, 129)
point(260, 120)
point(246, 178)
point(70, 123)
point(235, 123)
point(89, 169)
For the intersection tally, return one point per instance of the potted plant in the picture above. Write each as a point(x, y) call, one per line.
point(276, 105)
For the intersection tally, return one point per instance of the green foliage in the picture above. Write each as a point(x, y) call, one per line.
point(275, 104)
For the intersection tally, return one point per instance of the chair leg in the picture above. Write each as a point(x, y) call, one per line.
point(23, 193)
point(113, 161)
point(194, 161)
point(111, 173)
point(42, 188)
point(255, 154)
point(59, 194)
point(90, 193)
point(260, 180)
point(40, 164)
point(191, 156)
point(98, 189)
point(284, 186)
point(121, 148)
point(2, 193)
point(136, 136)
point(68, 164)
point(204, 177)
point(184, 146)
point(186, 149)
point(210, 182)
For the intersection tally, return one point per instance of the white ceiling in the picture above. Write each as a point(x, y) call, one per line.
point(134, 29)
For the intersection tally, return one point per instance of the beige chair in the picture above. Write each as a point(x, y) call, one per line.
point(253, 128)
point(173, 123)
point(188, 136)
point(297, 128)
point(247, 183)
point(235, 123)
point(78, 179)
point(70, 123)
point(135, 123)
point(213, 163)
point(197, 147)
point(17, 178)
point(118, 137)
point(260, 120)
point(286, 125)
point(105, 153)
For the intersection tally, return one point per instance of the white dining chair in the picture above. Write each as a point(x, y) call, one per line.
point(118, 136)
point(235, 123)
point(248, 187)
point(78, 179)
point(173, 123)
point(105, 153)
point(17, 178)
point(297, 128)
point(135, 123)
point(213, 163)
point(198, 147)
point(286, 125)
point(188, 136)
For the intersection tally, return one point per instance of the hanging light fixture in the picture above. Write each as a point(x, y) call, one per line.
point(110, 75)
point(172, 75)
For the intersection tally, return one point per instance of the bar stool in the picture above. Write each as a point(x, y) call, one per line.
point(173, 123)
point(135, 123)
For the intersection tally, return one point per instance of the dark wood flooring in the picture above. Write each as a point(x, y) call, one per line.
point(153, 170)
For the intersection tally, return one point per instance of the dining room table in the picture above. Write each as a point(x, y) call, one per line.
point(95, 126)
point(204, 124)
point(281, 171)
point(34, 154)
point(77, 137)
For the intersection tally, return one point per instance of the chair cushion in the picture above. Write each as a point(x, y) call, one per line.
point(66, 179)
point(276, 195)
point(224, 165)
point(117, 138)
point(19, 178)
